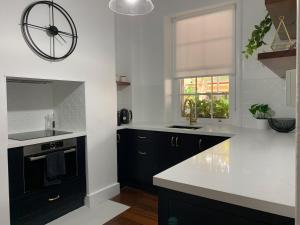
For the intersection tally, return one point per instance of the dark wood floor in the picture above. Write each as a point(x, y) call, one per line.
point(143, 208)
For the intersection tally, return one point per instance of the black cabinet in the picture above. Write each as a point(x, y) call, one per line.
point(143, 154)
point(15, 170)
point(177, 147)
point(122, 147)
point(184, 209)
point(41, 205)
point(137, 159)
point(142, 158)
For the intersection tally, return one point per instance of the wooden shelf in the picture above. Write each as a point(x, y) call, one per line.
point(279, 62)
point(123, 84)
point(286, 8)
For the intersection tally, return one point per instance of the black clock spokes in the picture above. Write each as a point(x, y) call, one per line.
point(51, 30)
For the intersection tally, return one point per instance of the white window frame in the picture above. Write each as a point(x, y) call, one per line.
point(234, 79)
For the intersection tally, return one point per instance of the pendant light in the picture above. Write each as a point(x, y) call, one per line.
point(131, 7)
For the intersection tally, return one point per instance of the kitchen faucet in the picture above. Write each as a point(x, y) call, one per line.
point(192, 117)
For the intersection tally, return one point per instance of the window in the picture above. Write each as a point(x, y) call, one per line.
point(210, 95)
point(204, 62)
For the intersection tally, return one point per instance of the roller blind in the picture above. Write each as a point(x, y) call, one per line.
point(205, 44)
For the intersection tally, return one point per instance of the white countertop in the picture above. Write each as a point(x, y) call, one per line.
point(16, 144)
point(254, 169)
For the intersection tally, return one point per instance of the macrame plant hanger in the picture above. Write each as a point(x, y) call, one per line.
point(281, 43)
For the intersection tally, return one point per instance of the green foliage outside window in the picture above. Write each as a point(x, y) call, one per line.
point(221, 108)
point(204, 108)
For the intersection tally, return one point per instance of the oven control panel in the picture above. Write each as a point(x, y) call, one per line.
point(50, 146)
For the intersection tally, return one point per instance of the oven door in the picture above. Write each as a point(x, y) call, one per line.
point(34, 169)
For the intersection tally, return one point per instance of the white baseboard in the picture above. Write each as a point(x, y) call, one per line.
point(102, 195)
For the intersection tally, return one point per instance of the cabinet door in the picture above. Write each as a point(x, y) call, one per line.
point(189, 213)
point(210, 141)
point(184, 209)
point(142, 157)
point(122, 156)
point(188, 144)
point(170, 150)
point(16, 174)
point(177, 147)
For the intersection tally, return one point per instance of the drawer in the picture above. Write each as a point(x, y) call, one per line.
point(51, 197)
point(141, 136)
point(50, 212)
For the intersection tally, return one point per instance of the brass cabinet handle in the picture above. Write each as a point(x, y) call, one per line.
point(142, 137)
point(200, 143)
point(177, 144)
point(142, 153)
point(118, 138)
point(54, 199)
point(172, 142)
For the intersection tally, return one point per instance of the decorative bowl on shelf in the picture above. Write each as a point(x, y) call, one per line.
point(283, 125)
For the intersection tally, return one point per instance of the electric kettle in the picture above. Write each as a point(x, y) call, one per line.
point(125, 116)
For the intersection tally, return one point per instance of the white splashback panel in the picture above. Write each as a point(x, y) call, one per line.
point(69, 105)
point(27, 106)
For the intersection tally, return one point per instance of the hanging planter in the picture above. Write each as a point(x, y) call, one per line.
point(280, 44)
point(257, 37)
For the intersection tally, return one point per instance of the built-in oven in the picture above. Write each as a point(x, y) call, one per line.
point(35, 163)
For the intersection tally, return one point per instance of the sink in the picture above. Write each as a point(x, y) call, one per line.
point(185, 127)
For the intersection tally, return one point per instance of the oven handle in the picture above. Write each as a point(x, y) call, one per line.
point(32, 159)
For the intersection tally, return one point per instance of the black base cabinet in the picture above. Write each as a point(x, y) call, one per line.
point(175, 208)
point(36, 207)
point(137, 158)
point(142, 154)
point(122, 148)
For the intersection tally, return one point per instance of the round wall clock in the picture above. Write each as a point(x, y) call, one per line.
point(49, 30)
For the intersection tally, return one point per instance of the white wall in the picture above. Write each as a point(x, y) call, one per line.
point(145, 61)
point(93, 62)
point(124, 95)
point(259, 84)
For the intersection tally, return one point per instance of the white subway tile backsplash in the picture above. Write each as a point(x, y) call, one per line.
point(28, 104)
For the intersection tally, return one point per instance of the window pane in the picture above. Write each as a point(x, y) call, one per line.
point(221, 106)
point(188, 86)
point(210, 94)
point(221, 84)
point(185, 109)
point(204, 85)
point(203, 106)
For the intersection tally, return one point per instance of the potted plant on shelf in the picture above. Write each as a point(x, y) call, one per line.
point(257, 36)
point(261, 112)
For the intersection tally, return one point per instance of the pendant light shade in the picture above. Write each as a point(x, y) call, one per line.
point(131, 7)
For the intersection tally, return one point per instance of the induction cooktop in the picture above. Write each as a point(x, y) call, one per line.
point(36, 134)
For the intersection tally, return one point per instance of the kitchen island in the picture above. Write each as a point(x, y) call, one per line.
point(254, 169)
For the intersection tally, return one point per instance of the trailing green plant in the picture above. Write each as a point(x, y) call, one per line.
point(257, 37)
point(260, 111)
